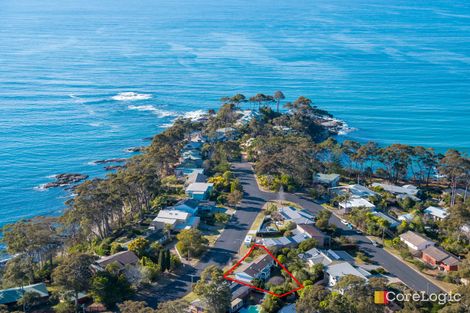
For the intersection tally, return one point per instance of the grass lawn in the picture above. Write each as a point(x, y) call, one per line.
point(190, 297)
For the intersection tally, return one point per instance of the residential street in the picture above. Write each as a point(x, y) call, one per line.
point(236, 230)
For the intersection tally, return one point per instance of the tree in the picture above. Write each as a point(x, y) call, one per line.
point(271, 304)
point(17, 273)
point(29, 300)
point(176, 306)
point(278, 96)
point(311, 299)
point(134, 307)
point(74, 274)
point(307, 244)
point(214, 290)
point(455, 167)
point(191, 242)
point(235, 197)
point(109, 288)
point(139, 246)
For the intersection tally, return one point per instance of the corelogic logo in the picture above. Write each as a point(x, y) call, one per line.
point(385, 296)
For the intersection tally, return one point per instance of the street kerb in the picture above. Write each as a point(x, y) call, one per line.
point(231, 270)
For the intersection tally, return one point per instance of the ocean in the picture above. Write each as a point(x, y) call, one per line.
point(396, 71)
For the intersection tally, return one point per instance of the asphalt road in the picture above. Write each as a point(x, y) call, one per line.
point(228, 244)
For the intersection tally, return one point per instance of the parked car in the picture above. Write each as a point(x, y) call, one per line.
point(376, 244)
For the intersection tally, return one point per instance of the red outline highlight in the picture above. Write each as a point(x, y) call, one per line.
point(230, 271)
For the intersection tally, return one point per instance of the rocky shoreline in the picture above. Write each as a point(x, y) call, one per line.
point(65, 179)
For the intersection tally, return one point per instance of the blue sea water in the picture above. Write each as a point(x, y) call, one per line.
point(398, 71)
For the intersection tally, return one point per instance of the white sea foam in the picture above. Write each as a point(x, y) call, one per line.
point(131, 96)
point(41, 187)
point(194, 115)
point(159, 112)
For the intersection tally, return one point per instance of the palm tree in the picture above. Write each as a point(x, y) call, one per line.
point(278, 96)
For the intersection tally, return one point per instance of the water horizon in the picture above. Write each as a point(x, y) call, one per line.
point(395, 72)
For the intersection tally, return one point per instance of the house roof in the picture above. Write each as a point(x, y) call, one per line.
point(172, 214)
point(123, 258)
point(290, 213)
point(436, 211)
point(196, 177)
point(189, 163)
point(344, 268)
point(192, 203)
point(199, 187)
point(436, 253)
point(326, 178)
point(356, 203)
point(405, 189)
point(12, 295)
point(312, 231)
point(406, 217)
point(256, 266)
point(414, 238)
point(451, 260)
point(392, 221)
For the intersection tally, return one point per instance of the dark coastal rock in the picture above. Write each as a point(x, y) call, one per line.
point(117, 160)
point(113, 167)
point(135, 149)
point(65, 179)
point(147, 139)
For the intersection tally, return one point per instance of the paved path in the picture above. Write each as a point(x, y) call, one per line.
point(228, 244)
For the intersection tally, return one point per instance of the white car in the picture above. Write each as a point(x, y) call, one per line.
point(344, 222)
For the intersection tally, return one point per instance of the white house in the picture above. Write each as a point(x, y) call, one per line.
point(297, 216)
point(179, 220)
point(327, 179)
point(356, 203)
point(436, 213)
point(355, 190)
point(199, 191)
point(408, 217)
point(337, 271)
point(410, 190)
point(325, 257)
point(415, 241)
point(260, 268)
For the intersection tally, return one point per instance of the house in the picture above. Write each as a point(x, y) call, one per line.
point(415, 241)
point(408, 217)
point(178, 220)
point(312, 232)
point(325, 257)
point(192, 145)
point(190, 206)
point(278, 242)
point(239, 294)
point(336, 271)
point(331, 180)
point(13, 295)
point(436, 213)
point(356, 203)
point(195, 177)
point(187, 167)
point(226, 133)
point(260, 268)
point(355, 190)
point(297, 216)
point(409, 190)
point(191, 155)
point(199, 191)
point(122, 259)
point(392, 222)
point(440, 258)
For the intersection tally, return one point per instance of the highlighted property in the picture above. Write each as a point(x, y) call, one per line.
point(259, 269)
